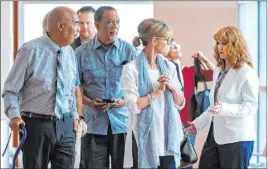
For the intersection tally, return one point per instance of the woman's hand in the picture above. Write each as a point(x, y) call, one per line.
point(164, 81)
point(191, 129)
point(215, 110)
point(200, 56)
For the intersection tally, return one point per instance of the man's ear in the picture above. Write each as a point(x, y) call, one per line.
point(97, 25)
point(60, 26)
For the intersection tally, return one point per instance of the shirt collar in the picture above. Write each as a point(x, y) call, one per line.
point(51, 43)
point(97, 43)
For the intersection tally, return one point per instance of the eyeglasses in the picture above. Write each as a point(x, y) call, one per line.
point(168, 40)
point(173, 46)
point(75, 24)
point(110, 22)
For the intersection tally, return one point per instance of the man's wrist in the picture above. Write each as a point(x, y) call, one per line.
point(81, 117)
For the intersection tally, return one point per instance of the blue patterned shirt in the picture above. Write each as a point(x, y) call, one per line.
point(100, 72)
point(32, 82)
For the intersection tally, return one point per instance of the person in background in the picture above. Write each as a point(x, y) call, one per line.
point(153, 96)
point(39, 92)
point(234, 102)
point(87, 28)
point(87, 31)
point(100, 64)
point(186, 74)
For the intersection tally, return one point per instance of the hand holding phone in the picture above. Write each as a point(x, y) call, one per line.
point(108, 100)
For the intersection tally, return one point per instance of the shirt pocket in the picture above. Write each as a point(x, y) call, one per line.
point(118, 72)
point(93, 74)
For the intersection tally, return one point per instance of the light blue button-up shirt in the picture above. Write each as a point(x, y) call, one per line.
point(32, 82)
point(100, 72)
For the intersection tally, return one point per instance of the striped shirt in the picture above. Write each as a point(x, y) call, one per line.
point(31, 85)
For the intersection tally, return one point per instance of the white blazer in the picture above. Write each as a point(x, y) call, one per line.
point(239, 96)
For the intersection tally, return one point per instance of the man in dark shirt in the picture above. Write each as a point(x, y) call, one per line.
point(87, 28)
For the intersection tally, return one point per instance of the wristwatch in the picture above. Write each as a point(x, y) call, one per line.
point(81, 117)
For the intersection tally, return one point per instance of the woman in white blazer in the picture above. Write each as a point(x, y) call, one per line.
point(234, 101)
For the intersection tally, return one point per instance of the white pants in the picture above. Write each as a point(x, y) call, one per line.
point(77, 151)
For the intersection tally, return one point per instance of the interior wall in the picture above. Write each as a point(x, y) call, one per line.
point(194, 24)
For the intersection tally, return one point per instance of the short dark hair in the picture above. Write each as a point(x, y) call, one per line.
point(86, 9)
point(100, 11)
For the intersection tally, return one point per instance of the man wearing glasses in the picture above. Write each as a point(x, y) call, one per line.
point(100, 63)
point(40, 93)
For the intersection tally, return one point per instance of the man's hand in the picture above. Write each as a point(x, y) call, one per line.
point(84, 128)
point(15, 123)
point(75, 121)
point(191, 129)
point(100, 105)
point(118, 103)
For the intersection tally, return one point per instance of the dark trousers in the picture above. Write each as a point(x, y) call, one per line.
point(233, 155)
point(96, 150)
point(49, 140)
point(192, 140)
point(166, 162)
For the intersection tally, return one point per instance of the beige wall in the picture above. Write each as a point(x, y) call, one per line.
point(194, 24)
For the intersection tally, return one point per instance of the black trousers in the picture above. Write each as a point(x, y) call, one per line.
point(233, 155)
point(96, 149)
point(49, 141)
point(166, 162)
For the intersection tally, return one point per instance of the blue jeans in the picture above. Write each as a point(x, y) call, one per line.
point(231, 155)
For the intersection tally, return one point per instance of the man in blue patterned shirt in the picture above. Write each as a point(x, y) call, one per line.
point(33, 88)
point(100, 63)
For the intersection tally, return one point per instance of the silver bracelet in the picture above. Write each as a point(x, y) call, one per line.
point(150, 98)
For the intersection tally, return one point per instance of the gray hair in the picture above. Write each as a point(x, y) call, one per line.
point(100, 11)
point(44, 23)
point(149, 28)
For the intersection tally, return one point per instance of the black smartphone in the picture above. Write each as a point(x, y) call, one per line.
point(108, 100)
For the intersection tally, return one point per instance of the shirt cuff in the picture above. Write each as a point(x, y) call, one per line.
point(75, 115)
point(13, 114)
point(183, 103)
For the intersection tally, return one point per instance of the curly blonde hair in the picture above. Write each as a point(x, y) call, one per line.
point(237, 48)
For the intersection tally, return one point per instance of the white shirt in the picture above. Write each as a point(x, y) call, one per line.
point(129, 81)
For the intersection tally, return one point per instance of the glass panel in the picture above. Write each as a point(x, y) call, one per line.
point(129, 16)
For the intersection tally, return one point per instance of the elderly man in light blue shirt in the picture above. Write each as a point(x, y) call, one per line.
point(100, 63)
point(40, 92)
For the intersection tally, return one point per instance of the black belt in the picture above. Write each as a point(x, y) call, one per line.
point(39, 116)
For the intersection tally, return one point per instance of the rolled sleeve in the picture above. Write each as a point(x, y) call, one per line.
point(177, 85)
point(183, 103)
point(131, 94)
point(75, 115)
